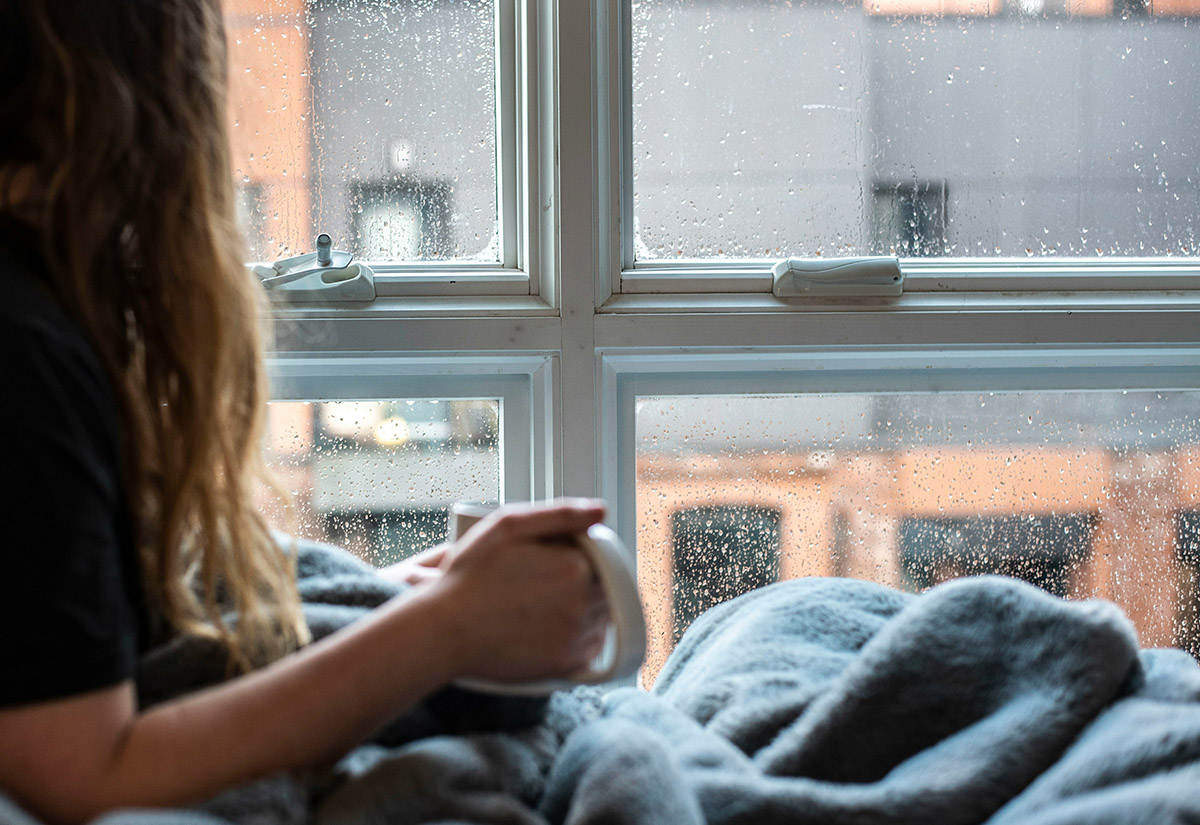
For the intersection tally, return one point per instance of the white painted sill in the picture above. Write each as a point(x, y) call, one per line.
point(931, 275)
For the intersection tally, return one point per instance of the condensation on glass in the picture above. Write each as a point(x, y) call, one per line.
point(378, 477)
point(972, 128)
point(372, 120)
point(1082, 493)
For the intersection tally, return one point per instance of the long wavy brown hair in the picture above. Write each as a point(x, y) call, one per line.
point(115, 111)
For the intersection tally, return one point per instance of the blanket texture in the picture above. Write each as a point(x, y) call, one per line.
point(824, 701)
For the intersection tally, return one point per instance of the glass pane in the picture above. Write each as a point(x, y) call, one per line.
point(378, 477)
point(774, 128)
point(1081, 493)
point(373, 120)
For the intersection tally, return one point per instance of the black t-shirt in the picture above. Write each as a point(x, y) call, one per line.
point(70, 594)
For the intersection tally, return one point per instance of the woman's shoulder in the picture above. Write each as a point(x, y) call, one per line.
point(41, 347)
point(60, 411)
point(70, 584)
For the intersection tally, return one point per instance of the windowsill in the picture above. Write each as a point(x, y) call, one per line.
point(935, 275)
point(457, 326)
point(431, 325)
point(915, 301)
point(418, 306)
point(912, 320)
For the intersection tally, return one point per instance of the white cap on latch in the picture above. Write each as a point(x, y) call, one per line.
point(837, 277)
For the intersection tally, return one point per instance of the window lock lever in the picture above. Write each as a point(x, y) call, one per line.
point(837, 278)
point(327, 274)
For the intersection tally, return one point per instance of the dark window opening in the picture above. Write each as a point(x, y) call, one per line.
point(841, 548)
point(402, 220)
point(720, 553)
point(1046, 551)
point(910, 219)
point(383, 538)
point(1187, 547)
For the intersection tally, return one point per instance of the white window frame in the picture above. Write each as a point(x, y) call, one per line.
point(728, 280)
point(521, 385)
point(582, 334)
point(522, 176)
point(818, 370)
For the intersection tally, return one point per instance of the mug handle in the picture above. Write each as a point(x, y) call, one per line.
point(625, 643)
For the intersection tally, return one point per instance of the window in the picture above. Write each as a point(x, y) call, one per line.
point(1082, 493)
point(572, 210)
point(334, 99)
point(1052, 552)
point(1187, 627)
point(987, 131)
point(404, 220)
point(407, 89)
point(378, 477)
point(910, 219)
point(720, 553)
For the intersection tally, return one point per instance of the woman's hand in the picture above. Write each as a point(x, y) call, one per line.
point(524, 600)
point(421, 568)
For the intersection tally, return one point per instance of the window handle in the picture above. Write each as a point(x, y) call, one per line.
point(837, 277)
point(327, 274)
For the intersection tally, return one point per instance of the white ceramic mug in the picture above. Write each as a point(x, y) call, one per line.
point(625, 644)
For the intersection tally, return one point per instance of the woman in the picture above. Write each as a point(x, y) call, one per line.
point(132, 426)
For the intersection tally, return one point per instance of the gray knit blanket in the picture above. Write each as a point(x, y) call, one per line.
point(824, 701)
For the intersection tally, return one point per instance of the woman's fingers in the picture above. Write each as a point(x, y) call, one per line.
point(423, 567)
point(536, 607)
point(564, 517)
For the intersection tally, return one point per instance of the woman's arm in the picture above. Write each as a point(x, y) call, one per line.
point(513, 603)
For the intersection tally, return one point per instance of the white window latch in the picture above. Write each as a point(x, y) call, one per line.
point(325, 275)
point(837, 278)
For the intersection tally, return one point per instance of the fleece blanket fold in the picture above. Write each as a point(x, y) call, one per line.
point(825, 701)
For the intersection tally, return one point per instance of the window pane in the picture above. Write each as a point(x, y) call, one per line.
point(378, 477)
point(374, 121)
point(1081, 493)
point(773, 128)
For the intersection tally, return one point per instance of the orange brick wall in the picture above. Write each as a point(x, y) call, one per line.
point(270, 113)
